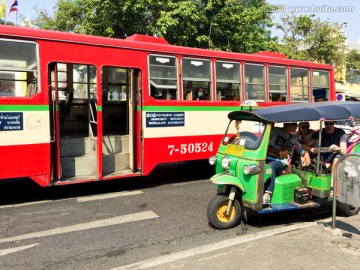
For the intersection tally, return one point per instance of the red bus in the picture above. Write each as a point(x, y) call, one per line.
point(77, 108)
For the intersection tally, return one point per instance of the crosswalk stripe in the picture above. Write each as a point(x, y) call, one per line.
point(4, 252)
point(109, 196)
point(85, 226)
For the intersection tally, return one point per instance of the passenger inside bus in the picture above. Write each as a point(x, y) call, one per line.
point(199, 94)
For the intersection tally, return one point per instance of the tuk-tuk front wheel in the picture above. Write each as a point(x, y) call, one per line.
point(216, 212)
point(348, 210)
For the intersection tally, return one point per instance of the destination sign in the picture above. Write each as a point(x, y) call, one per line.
point(165, 119)
point(10, 121)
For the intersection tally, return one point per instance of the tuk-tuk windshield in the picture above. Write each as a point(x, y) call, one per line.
point(245, 133)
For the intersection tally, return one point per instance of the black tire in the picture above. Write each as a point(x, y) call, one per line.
point(216, 212)
point(348, 210)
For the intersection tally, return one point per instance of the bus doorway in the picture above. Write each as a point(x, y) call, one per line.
point(120, 88)
point(74, 121)
point(92, 141)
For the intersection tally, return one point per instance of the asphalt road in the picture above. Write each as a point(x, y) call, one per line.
point(108, 224)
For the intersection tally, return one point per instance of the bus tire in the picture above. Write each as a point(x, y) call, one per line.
point(348, 210)
point(216, 212)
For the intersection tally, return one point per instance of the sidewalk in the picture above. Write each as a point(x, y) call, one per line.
point(306, 246)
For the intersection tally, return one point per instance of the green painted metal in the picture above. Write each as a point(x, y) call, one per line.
point(7, 108)
point(226, 179)
point(356, 148)
point(189, 108)
point(285, 186)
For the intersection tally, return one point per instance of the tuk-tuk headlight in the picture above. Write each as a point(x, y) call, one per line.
point(226, 162)
point(252, 169)
point(212, 160)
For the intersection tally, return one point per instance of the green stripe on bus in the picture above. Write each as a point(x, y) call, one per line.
point(4, 108)
point(191, 108)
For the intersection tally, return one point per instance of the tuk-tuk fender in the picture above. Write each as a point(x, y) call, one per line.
point(225, 179)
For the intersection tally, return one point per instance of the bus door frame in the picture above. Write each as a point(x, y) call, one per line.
point(55, 140)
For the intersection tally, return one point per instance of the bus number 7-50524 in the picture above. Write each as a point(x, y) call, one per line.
point(191, 148)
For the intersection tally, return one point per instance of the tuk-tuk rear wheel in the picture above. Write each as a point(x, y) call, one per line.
point(216, 212)
point(348, 210)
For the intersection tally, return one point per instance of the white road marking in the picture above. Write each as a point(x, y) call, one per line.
point(23, 204)
point(108, 196)
point(215, 246)
point(189, 183)
point(85, 226)
point(4, 252)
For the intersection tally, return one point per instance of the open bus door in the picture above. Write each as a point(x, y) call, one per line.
point(93, 140)
point(74, 121)
point(118, 120)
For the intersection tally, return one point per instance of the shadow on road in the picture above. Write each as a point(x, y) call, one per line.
point(22, 190)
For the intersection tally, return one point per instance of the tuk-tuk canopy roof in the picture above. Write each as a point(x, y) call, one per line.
point(327, 110)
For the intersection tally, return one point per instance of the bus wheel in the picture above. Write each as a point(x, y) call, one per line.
point(216, 212)
point(348, 210)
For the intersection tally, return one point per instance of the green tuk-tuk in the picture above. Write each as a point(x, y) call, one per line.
point(241, 168)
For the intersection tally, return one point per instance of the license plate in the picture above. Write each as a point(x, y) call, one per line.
point(236, 150)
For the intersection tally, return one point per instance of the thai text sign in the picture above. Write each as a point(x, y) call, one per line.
point(10, 121)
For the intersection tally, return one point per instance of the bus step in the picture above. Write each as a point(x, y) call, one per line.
point(79, 179)
point(72, 147)
point(115, 144)
point(115, 162)
point(126, 172)
point(76, 166)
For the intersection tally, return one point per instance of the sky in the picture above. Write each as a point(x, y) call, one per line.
point(347, 11)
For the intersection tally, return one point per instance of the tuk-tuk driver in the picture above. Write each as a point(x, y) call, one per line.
point(278, 158)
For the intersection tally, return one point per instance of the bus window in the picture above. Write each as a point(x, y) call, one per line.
point(79, 79)
point(84, 81)
point(163, 77)
point(196, 73)
point(115, 84)
point(227, 80)
point(277, 83)
point(320, 85)
point(299, 87)
point(76, 86)
point(254, 82)
point(18, 69)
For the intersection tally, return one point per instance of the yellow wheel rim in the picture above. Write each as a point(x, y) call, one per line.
point(221, 212)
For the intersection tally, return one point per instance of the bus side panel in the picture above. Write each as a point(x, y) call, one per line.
point(175, 149)
point(24, 160)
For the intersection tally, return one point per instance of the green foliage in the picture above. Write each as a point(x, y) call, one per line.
point(2, 21)
point(352, 66)
point(309, 39)
point(230, 25)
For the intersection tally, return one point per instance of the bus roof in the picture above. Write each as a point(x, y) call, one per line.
point(150, 44)
point(327, 110)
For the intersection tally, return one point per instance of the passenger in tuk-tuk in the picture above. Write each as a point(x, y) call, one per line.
point(333, 138)
point(278, 158)
point(304, 134)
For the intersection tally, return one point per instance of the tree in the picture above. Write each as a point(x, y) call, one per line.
point(109, 18)
point(2, 21)
point(309, 39)
point(353, 66)
point(232, 25)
